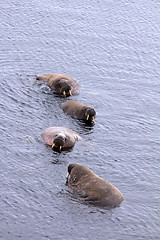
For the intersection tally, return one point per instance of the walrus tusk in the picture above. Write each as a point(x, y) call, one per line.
point(70, 93)
point(87, 117)
point(93, 119)
point(53, 145)
point(67, 177)
point(64, 93)
point(60, 147)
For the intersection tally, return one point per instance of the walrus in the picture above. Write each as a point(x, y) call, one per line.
point(61, 83)
point(91, 187)
point(60, 138)
point(78, 110)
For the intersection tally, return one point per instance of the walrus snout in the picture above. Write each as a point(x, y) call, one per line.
point(58, 142)
point(90, 114)
point(66, 89)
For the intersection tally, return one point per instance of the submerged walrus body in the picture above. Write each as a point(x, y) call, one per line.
point(60, 138)
point(78, 110)
point(92, 188)
point(61, 83)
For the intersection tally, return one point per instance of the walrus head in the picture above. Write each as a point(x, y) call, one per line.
point(59, 142)
point(90, 114)
point(79, 172)
point(70, 167)
point(66, 89)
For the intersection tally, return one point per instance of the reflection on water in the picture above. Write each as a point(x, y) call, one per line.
point(86, 127)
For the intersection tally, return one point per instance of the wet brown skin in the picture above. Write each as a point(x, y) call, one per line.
point(60, 138)
point(92, 188)
point(61, 83)
point(79, 111)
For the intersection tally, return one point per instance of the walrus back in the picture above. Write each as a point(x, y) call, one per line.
point(74, 109)
point(100, 190)
point(45, 76)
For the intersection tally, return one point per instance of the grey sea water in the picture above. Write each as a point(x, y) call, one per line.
point(112, 48)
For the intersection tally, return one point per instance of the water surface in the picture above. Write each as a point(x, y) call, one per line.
point(112, 48)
